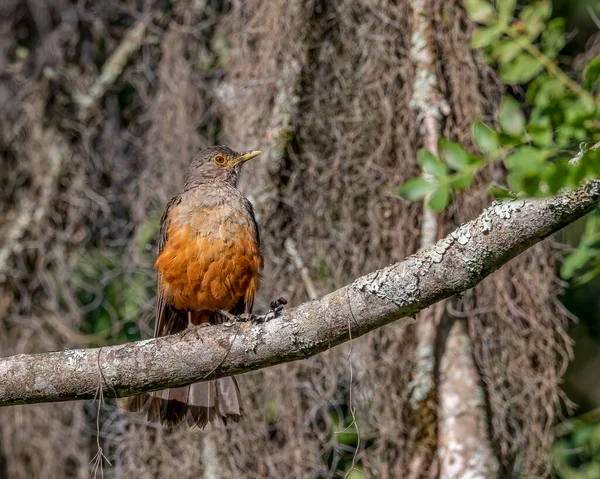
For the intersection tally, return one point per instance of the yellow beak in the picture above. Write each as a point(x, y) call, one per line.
point(245, 157)
point(249, 155)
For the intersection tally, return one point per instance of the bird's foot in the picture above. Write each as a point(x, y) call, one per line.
point(274, 312)
point(194, 330)
point(244, 317)
point(228, 315)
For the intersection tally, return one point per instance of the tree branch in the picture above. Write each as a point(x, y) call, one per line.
point(454, 264)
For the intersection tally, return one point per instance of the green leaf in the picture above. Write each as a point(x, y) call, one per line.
point(530, 183)
point(591, 72)
point(593, 469)
point(553, 37)
point(431, 164)
point(527, 182)
point(515, 181)
point(540, 135)
point(574, 262)
point(500, 193)
point(415, 189)
point(520, 69)
point(506, 50)
point(544, 90)
point(527, 160)
point(563, 135)
point(508, 141)
point(453, 154)
point(479, 11)
point(592, 160)
point(590, 164)
point(440, 198)
point(511, 118)
point(534, 17)
point(558, 176)
point(577, 109)
point(591, 227)
point(462, 180)
point(506, 8)
point(482, 37)
point(485, 138)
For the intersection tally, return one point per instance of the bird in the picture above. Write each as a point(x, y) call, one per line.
point(208, 268)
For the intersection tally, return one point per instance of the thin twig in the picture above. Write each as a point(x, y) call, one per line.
point(290, 247)
point(548, 64)
point(112, 69)
point(351, 398)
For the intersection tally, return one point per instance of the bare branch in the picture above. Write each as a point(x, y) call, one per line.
point(454, 264)
point(112, 69)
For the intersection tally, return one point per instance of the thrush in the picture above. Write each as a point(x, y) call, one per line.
point(208, 266)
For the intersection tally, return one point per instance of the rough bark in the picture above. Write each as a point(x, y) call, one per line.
point(454, 264)
point(470, 450)
point(464, 448)
point(430, 104)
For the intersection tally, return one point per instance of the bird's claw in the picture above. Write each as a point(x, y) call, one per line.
point(278, 304)
point(245, 317)
point(274, 312)
point(194, 330)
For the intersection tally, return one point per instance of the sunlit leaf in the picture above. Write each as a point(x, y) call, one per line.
point(577, 109)
point(506, 50)
point(534, 17)
point(520, 69)
point(553, 37)
point(432, 164)
point(462, 180)
point(485, 138)
point(453, 154)
point(416, 189)
point(540, 135)
point(526, 159)
point(505, 8)
point(440, 198)
point(544, 90)
point(479, 11)
point(510, 116)
point(482, 37)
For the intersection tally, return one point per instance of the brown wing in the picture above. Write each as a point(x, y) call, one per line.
point(246, 304)
point(168, 320)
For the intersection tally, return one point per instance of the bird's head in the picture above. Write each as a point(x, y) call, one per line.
point(217, 164)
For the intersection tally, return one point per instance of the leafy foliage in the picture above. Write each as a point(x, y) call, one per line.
point(576, 453)
point(112, 308)
point(536, 139)
point(544, 139)
point(583, 264)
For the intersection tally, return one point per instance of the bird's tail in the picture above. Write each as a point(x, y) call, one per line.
point(196, 404)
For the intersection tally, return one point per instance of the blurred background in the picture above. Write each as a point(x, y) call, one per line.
point(102, 107)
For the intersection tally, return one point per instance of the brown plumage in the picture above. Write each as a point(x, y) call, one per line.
point(209, 260)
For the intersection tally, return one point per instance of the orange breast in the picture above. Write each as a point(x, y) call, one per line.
point(209, 271)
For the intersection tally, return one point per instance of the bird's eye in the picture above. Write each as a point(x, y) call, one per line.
point(220, 160)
